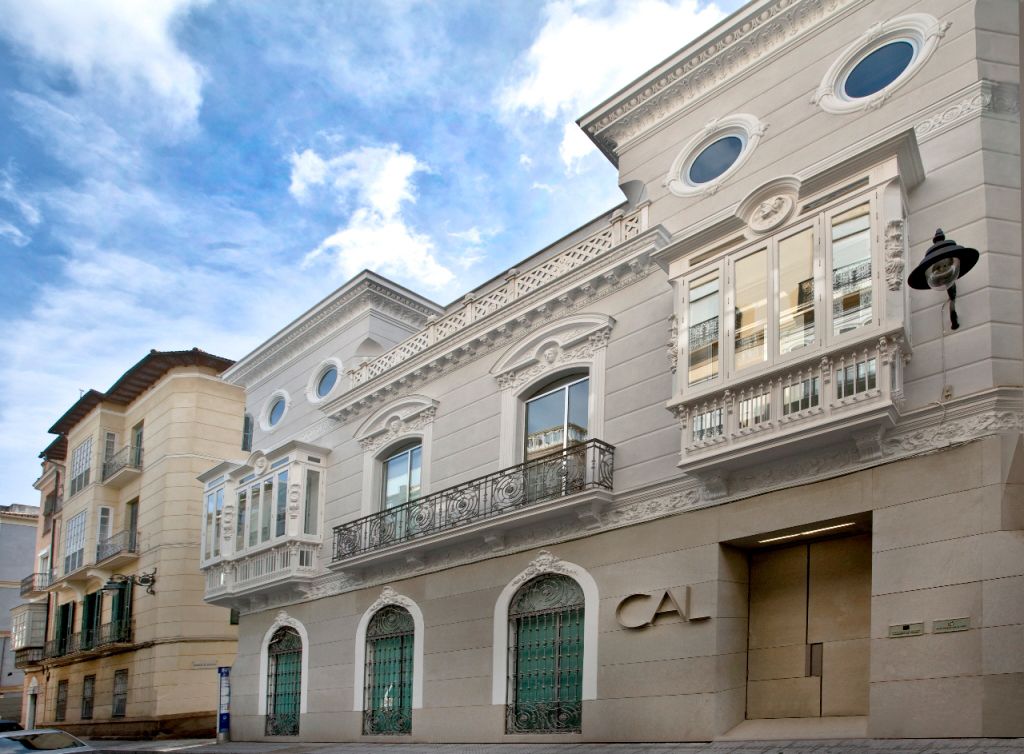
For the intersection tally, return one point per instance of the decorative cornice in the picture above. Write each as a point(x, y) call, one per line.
point(927, 430)
point(982, 97)
point(763, 30)
point(324, 321)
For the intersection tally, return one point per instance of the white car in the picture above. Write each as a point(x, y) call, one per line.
point(42, 739)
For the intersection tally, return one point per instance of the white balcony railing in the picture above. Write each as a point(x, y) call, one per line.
point(270, 567)
point(794, 400)
point(517, 285)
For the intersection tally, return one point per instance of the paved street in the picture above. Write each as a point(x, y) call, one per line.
point(852, 746)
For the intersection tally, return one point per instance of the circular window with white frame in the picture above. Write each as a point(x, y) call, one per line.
point(324, 380)
point(274, 410)
point(714, 154)
point(880, 61)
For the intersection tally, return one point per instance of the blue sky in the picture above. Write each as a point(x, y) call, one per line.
point(178, 173)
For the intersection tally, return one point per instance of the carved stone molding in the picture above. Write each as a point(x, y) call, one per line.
point(407, 415)
point(545, 562)
point(334, 315)
point(568, 341)
point(982, 97)
point(672, 347)
point(388, 596)
point(895, 254)
point(770, 205)
point(630, 262)
point(738, 48)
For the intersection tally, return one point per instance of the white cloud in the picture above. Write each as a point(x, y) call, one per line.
point(574, 148)
point(586, 51)
point(123, 47)
point(386, 245)
point(538, 186)
point(13, 234)
point(9, 193)
point(470, 235)
point(308, 169)
point(377, 181)
point(525, 161)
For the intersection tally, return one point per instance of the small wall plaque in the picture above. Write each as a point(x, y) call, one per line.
point(905, 629)
point(948, 625)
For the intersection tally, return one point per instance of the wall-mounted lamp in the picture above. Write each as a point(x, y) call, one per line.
point(118, 580)
point(943, 264)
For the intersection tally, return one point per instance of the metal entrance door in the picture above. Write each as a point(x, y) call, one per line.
point(284, 683)
point(545, 661)
point(388, 677)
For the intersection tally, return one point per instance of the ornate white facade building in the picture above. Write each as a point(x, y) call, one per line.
point(705, 467)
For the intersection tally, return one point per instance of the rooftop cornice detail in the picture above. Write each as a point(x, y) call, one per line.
point(751, 38)
point(518, 285)
point(325, 320)
point(599, 277)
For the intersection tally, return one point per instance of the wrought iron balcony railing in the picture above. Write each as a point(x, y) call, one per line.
point(35, 582)
point(115, 632)
point(588, 465)
point(125, 541)
point(130, 456)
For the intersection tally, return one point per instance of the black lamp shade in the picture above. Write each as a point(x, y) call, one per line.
point(942, 249)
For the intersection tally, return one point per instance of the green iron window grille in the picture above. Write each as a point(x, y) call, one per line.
point(61, 711)
point(387, 707)
point(545, 657)
point(284, 682)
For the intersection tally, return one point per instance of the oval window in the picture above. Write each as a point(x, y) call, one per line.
point(326, 382)
point(715, 159)
point(878, 69)
point(276, 412)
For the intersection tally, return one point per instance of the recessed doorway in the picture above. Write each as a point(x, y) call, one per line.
point(808, 646)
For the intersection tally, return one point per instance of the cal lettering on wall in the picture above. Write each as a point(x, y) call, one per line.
point(641, 610)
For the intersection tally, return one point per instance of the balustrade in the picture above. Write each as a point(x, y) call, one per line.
point(581, 467)
point(792, 396)
point(516, 286)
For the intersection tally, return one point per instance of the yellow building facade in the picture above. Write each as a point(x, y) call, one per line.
point(130, 648)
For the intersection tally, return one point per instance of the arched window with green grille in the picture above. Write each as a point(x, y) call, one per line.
point(545, 657)
point(284, 682)
point(387, 705)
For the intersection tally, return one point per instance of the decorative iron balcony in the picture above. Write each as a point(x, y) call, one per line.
point(586, 466)
point(122, 542)
point(127, 458)
point(107, 635)
point(34, 583)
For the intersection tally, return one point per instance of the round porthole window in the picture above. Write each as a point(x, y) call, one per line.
point(324, 385)
point(715, 159)
point(713, 154)
point(276, 412)
point(878, 69)
point(884, 58)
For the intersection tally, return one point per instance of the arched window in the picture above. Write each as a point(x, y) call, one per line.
point(284, 682)
point(388, 678)
point(545, 656)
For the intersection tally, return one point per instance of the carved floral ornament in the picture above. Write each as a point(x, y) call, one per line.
point(572, 340)
point(922, 31)
point(407, 415)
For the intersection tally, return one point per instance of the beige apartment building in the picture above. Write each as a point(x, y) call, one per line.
point(117, 639)
point(711, 465)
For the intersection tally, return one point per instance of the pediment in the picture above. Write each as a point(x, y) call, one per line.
point(552, 342)
point(408, 413)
